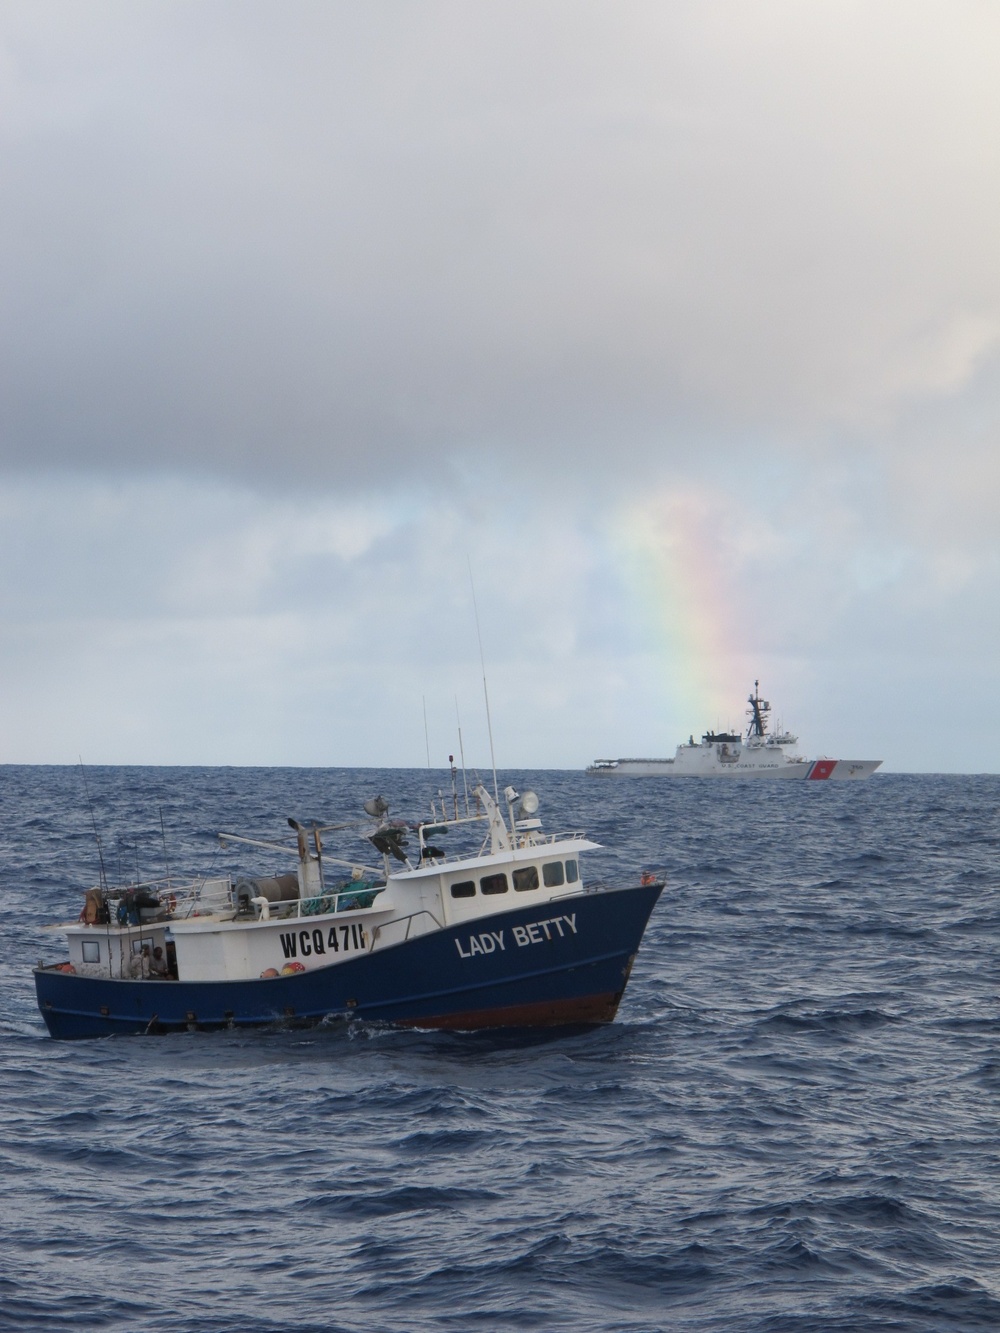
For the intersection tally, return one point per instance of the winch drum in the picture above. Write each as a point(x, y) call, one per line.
point(278, 889)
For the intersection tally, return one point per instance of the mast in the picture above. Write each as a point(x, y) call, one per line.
point(757, 713)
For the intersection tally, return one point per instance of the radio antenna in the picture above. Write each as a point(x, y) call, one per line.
point(163, 835)
point(427, 740)
point(486, 693)
point(461, 751)
point(93, 820)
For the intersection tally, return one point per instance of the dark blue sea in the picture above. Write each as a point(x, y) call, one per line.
point(794, 1123)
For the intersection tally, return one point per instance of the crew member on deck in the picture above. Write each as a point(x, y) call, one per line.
point(138, 966)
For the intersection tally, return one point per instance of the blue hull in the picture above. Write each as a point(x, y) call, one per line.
point(536, 973)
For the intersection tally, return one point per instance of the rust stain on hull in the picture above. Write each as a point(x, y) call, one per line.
point(545, 1013)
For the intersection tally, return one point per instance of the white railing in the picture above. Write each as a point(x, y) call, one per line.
point(177, 898)
point(180, 899)
point(379, 933)
point(523, 841)
point(335, 901)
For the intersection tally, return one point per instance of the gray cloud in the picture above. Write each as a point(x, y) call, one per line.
point(680, 320)
point(322, 240)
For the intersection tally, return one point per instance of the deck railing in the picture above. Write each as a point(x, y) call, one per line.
point(402, 925)
point(180, 899)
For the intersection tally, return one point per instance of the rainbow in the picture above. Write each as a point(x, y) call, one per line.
point(673, 558)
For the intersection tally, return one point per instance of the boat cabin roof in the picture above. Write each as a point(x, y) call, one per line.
point(535, 851)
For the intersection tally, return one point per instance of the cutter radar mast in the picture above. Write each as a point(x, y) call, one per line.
point(757, 713)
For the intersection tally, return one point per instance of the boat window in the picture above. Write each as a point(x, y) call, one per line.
point(494, 883)
point(91, 951)
point(572, 872)
point(526, 878)
point(552, 874)
point(465, 888)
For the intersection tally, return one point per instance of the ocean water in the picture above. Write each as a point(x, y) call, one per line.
point(794, 1123)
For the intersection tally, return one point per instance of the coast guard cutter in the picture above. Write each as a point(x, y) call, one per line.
point(760, 754)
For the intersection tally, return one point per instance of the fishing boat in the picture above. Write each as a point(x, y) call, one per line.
point(729, 754)
point(502, 932)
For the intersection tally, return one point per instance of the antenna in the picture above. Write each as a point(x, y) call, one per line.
point(163, 835)
point(454, 784)
point(461, 752)
point(93, 820)
point(486, 693)
point(427, 743)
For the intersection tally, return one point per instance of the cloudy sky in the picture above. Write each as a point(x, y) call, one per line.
point(675, 325)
